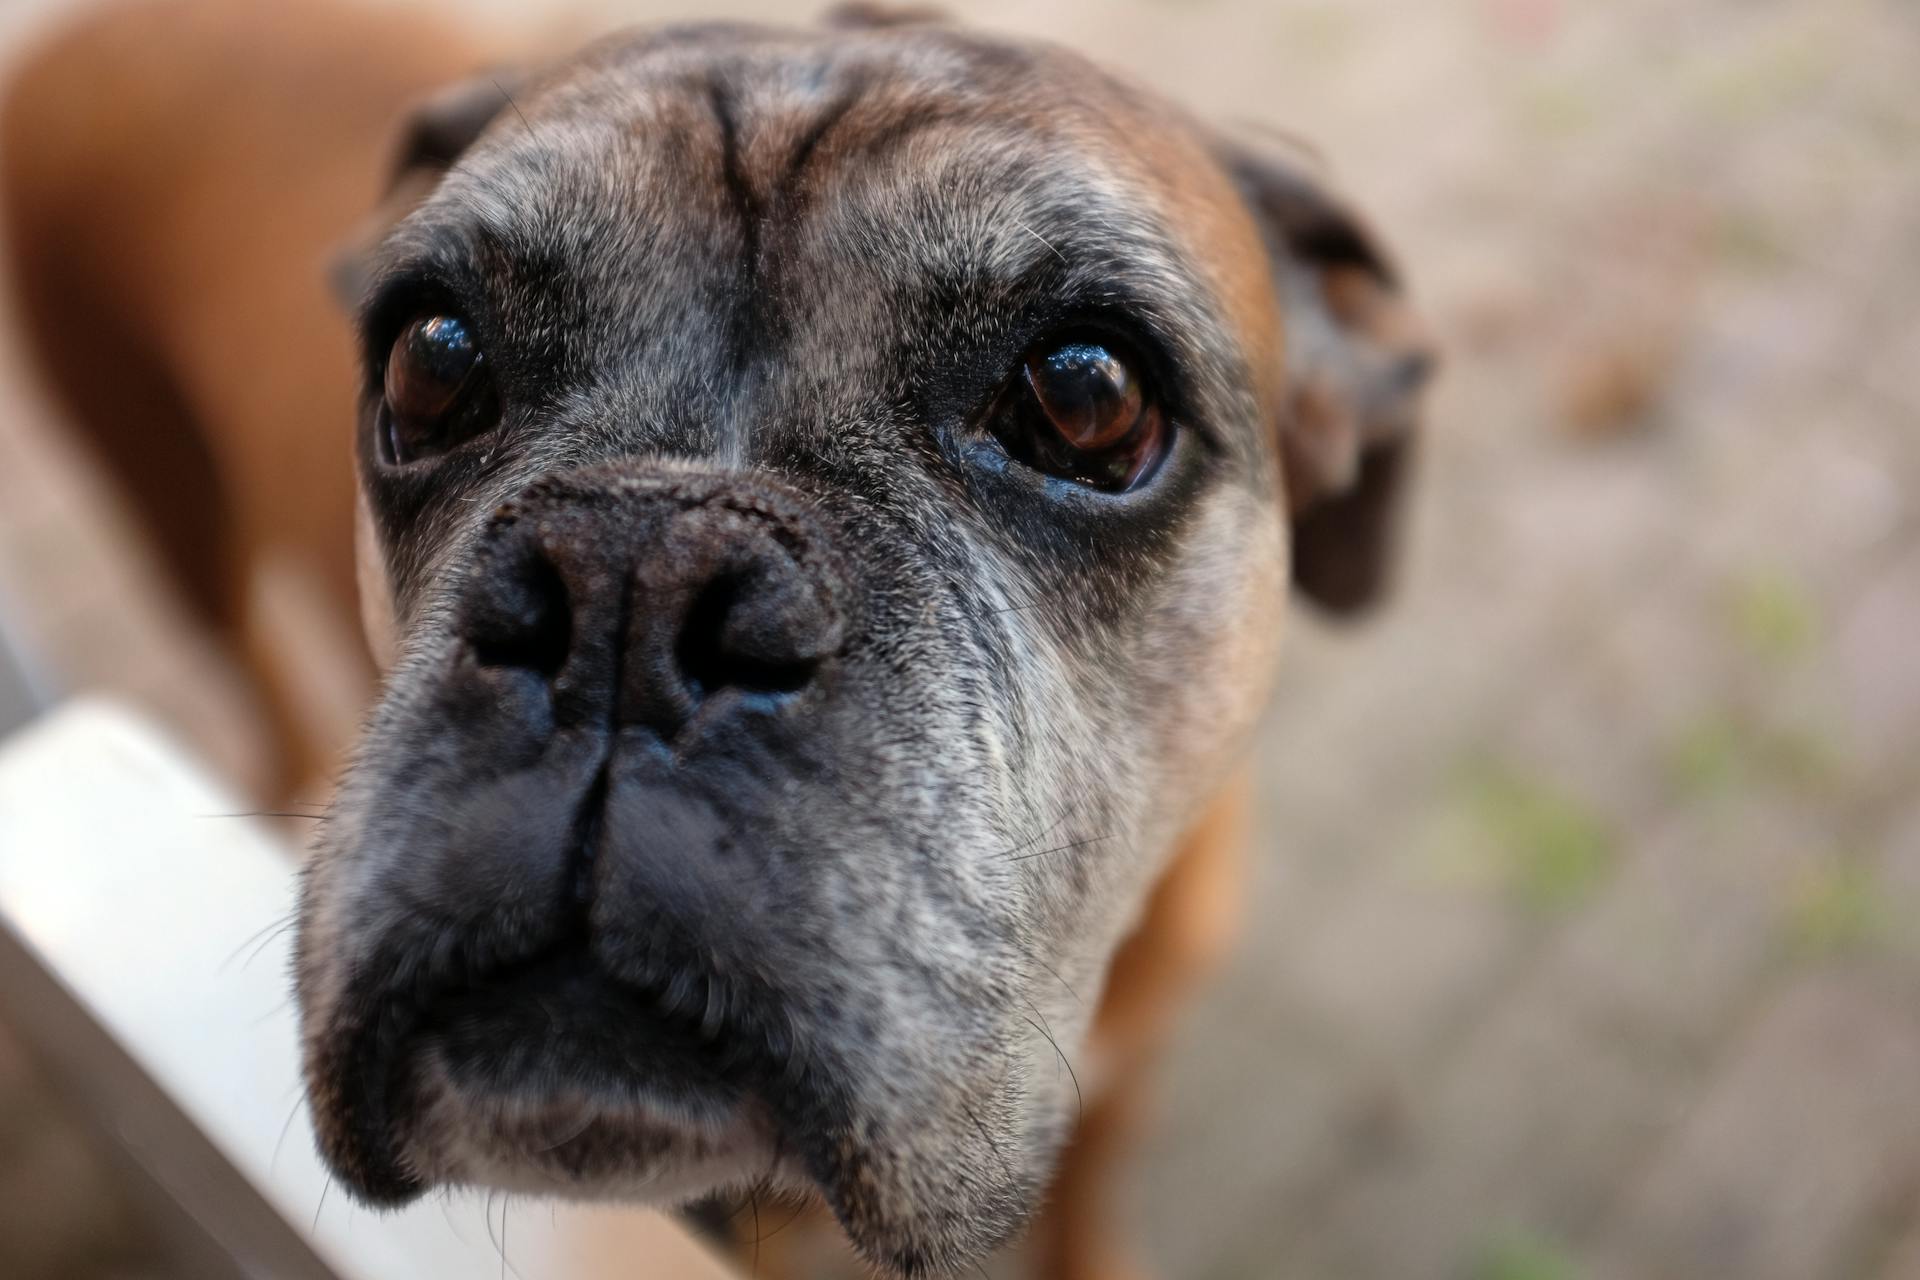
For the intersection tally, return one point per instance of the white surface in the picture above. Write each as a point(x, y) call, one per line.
point(125, 877)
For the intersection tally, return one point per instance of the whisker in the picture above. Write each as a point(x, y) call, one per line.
point(268, 941)
point(1043, 832)
point(516, 106)
point(446, 1213)
point(1055, 974)
point(561, 1142)
point(266, 931)
point(1079, 1099)
point(799, 1208)
point(273, 1013)
point(739, 1208)
point(506, 1264)
point(1037, 236)
point(286, 1129)
point(754, 1192)
point(1060, 848)
point(1005, 1168)
point(500, 1241)
point(318, 1207)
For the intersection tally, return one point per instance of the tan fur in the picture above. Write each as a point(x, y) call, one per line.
point(1190, 920)
point(170, 254)
point(1217, 223)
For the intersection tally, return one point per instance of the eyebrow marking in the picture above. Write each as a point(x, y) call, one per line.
point(822, 125)
point(752, 316)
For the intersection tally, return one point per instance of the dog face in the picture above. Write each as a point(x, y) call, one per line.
point(826, 495)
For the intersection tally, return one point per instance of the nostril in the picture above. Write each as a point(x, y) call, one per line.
point(751, 639)
point(524, 620)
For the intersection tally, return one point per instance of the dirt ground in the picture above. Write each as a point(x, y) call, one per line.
point(1584, 936)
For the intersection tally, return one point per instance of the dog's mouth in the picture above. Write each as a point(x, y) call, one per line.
point(549, 1074)
point(554, 1074)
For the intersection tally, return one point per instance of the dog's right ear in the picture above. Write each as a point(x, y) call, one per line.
point(442, 126)
point(434, 133)
point(1358, 360)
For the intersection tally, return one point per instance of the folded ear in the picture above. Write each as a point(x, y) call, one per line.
point(1357, 360)
point(433, 133)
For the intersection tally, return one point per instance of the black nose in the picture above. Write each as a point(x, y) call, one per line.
point(656, 600)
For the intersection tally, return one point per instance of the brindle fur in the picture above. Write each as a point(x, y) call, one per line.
point(731, 273)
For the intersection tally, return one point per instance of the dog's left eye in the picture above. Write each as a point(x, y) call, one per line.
point(437, 389)
point(1084, 412)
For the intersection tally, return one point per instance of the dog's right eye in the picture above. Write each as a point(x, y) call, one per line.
point(438, 393)
point(1081, 411)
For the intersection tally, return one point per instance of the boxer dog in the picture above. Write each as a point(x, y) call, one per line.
point(826, 504)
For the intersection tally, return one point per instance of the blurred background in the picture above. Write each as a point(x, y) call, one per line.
point(1584, 932)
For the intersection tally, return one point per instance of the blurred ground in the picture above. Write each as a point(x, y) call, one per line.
point(1584, 938)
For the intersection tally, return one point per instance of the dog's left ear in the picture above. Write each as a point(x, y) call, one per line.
point(1357, 359)
point(432, 134)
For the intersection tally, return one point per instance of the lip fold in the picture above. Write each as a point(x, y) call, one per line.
point(576, 1071)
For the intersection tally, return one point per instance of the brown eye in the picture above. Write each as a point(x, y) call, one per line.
point(1086, 416)
point(437, 393)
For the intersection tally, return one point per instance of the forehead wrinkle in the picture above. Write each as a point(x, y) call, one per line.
point(1010, 220)
point(807, 102)
point(1042, 207)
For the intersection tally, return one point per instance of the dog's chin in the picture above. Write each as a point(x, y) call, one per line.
point(551, 1078)
point(570, 1134)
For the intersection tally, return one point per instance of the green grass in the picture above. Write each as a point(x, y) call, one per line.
point(1841, 908)
point(1547, 845)
point(1709, 757)
point(1726, 753)
point(1524, 1255)
point(1773, 617)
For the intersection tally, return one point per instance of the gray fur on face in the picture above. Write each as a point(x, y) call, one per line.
point(734, 275)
